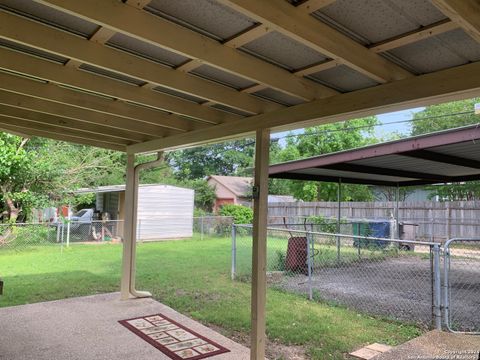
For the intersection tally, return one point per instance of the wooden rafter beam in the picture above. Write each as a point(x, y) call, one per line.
point(414, 36)
point(129, 117)
point(255, 32)
point(160, 32)
point(389, 44)
point(452, 84)
point(237, 41)
point(85, 119)
point(25, 64)
point(466, 13)
point(36, 35)
point(300, 26)
point(7, 125)
point(39, 120)
point(311, 6)
point(37, 124)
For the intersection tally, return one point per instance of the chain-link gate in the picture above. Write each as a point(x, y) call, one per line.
point(461, 296)
point(391, 278)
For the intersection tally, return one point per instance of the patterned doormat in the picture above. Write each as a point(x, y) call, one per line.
point(174, 340)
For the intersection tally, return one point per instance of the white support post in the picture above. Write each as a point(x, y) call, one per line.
point(259, 256)
point(130, 226)
point(128, 234)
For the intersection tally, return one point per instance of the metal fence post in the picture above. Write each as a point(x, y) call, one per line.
point(234, 251)
point(437, 290)
point(201, 227)
point(68, 227)
point(309, 265)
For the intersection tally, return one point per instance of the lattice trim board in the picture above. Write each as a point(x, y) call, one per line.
point(173, 339)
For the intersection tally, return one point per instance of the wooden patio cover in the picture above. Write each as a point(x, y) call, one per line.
point(143, 76)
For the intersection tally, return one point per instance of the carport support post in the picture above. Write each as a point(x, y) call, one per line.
point(339, 216)
point(397, 210)
point(437, 288)
point(259, 254)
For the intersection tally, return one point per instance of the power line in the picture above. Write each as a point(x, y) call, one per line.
point(373, 126)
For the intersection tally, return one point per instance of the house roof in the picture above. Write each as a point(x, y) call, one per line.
point(442, 157)
point(240, 186)
point(147, 75)
point(118, 188)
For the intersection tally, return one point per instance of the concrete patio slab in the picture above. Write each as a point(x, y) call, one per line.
point(436, 345)
point(87, 328)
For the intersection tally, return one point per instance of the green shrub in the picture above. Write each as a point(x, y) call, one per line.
point(280, 261)
point(328, 225)
point(241, 214)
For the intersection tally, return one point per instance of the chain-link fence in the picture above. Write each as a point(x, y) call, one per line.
point(212, 226)
point(462, 285)
point(430, 229)
point(379, 276)
point(21, 236)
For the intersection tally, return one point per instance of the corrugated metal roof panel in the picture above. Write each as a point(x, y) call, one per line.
point(430, 55)
point(348, 174)
point(206, 16)
point(146, 50)
point(179, 94)
point(343, 79)
point(412, 164)
point(459, 42)
point(112, 75)
point(222, 77)
point(32, 51)
point(279, 49)
point(378, 20)
point(278, 96)
point(468, 150)
point(230, 110)
point(48, 15)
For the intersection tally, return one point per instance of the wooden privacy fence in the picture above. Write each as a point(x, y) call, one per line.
point(437, 220)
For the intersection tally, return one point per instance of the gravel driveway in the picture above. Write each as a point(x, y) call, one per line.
point(398, 288)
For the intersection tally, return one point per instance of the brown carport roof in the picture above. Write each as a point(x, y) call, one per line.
point(447, 156)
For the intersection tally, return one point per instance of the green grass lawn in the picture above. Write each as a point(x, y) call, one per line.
point(193, 277)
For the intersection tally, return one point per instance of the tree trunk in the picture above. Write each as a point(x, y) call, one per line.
point(12, 210)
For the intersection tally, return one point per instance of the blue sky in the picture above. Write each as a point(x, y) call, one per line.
point(386, 119)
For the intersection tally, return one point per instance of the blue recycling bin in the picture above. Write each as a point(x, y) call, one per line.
point(371, 228)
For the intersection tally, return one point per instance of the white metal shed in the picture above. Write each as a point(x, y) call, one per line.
point(164, 211)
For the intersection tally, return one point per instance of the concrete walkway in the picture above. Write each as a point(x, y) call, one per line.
point(87, 328)
point(436, 345)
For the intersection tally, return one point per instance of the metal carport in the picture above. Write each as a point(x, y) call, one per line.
point(442, 157)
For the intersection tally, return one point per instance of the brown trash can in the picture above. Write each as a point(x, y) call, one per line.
point(296, 260)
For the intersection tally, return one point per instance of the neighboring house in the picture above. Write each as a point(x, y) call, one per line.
point(231, 190)
point(238, 190)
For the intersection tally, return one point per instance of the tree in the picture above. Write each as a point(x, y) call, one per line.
point(445, 116)
point(204, 194)
point(326, 139)
point(36, 172)
point(228, 158)
point(442, 117)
